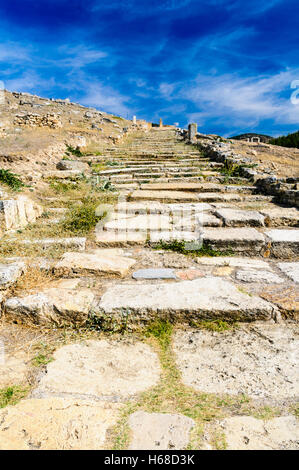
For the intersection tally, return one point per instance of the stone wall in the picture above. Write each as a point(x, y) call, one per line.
point(284, 190)
point(36, 120)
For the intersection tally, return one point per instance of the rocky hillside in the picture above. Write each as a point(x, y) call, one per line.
point(34, 131)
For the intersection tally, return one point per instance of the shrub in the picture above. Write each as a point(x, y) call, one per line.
point(82, 218)
point(73, 151)
point(11, 180)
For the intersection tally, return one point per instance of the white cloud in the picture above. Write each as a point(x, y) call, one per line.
point(13, 52)
point(79, 56)
point(29, 81)
point(166, 90)
point(243, 101)
point(104, 97)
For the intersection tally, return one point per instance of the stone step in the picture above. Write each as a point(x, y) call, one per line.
point(237, 240)
point(196, 187)
point(166, 196)
point(98, 263)
point(181, 301)
point(158, 170)
point(283, 243)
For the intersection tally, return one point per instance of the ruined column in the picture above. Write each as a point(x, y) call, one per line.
point(192, 130)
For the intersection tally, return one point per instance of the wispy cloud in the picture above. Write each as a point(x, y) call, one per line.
point(243, 100)
point(104, 97)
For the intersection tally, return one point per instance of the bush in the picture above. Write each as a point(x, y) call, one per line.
point(73, 151)
point(82, 218)
point(11, 180)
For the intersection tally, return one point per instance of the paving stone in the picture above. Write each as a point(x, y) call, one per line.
point(157, 431)
point(259, 360)
point(189, 274)
point(98, 264)
point(178, 301)
point(240, 218)
point(284, 243)
point(223, 271)
point(61, 307)
point(233, 261)
point(9, 273)
point(286, 298)
point(252, 275)
point(56, 424)
point(158, 273)
point(120, 239)
point(248, 433)
point(140, 223)
point(291, 270)
point(247, 240)
point(112, 370)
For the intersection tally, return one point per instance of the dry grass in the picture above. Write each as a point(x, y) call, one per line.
point(33, 279)
point(284, 162)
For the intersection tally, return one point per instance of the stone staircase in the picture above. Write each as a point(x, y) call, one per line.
point(206, 252)
point(241, 249)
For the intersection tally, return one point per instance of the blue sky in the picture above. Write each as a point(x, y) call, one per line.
point(226, 64)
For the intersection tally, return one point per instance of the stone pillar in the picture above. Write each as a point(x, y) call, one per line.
point(161, 123)
point(192, 130)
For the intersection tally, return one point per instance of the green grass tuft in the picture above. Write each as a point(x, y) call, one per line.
point(82, 218)
point(11, 395)
point(180, 246)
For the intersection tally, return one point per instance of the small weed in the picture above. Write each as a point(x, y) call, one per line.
point(180, 246)
point(60, 187)
point(295, 410)
point(105, 186)
point(73, 151)
point(10, 179)
point(161, 330)
point(11, 395)
point(266, 413)
point(43, 356)
point(82, 218)
point(215, 325)
point(234, 169)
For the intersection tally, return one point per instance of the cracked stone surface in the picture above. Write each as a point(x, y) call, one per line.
point(251, 275)
point(259, 360)
point(56, 424)
point(248, 433)
point(100, 369)
point(157, 431)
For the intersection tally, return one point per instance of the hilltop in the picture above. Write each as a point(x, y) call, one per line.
point(34, 131)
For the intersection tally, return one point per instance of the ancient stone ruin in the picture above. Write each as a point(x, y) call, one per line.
point(150, 286)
